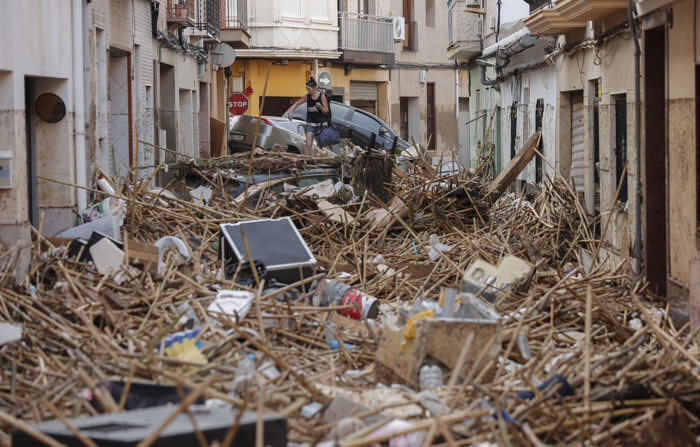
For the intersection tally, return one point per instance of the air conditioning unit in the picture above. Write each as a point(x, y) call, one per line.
point(399, 27)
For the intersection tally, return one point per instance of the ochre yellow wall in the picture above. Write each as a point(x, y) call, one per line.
point(283, 80)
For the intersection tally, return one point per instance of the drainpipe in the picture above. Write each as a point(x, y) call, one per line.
point(498, 21)
point(504, 50)
point(79, 104)
point(637, 143)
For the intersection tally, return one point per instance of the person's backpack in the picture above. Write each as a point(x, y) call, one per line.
point(328, 93)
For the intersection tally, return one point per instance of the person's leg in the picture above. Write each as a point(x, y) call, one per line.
point(309, 142)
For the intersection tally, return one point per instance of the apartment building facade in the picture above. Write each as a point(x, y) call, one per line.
point(586, 77)
point(382, 56)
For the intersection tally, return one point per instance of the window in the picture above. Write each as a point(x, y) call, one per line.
point(364, 7)
point(366, 121)
point(290, 8)
point(430, 13)
point(539, 114)
point(450, 38)
point(430, 98)
point(320, 10)
point(408, 44)
point(339, 110)
point(621, 145)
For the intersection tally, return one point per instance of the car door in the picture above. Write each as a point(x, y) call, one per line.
point(384, 138)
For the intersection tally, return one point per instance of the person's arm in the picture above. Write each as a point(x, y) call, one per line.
point(295, 105)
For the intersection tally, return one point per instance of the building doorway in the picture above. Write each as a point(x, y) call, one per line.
point(120, 159)
point(430, 116)
point(463, 130)
point(655, 156)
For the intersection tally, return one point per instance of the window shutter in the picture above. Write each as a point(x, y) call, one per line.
point(290, 8)
point(320, 9)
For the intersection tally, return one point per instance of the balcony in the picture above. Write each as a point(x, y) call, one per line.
point(180, 13)
point(589, 9)
point(366, 39)
point(207, 24)
point(549, 22)
point(234, 29)
point(464, 28)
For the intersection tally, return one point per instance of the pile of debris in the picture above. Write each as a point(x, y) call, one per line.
point(320, 312)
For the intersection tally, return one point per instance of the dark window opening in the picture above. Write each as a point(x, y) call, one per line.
point(403, 111)
point(539, 114)
point(621, 146)
point(513, 128)
point(431, 115)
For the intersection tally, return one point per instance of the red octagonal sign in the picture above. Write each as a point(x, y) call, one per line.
point(237, 104)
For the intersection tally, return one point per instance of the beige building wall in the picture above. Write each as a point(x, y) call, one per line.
point(682, 153)
point(579, 71)
point(430, 57)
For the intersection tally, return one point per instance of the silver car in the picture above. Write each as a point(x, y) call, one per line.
point(242, 133)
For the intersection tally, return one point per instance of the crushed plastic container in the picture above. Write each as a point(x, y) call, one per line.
point(244, 380)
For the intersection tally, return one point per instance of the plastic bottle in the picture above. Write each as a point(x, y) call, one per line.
point(430, 376)
point(245, 375)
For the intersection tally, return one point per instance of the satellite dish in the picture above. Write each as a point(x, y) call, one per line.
point(222, 55)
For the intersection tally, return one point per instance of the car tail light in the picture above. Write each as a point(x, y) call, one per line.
point(264, 120)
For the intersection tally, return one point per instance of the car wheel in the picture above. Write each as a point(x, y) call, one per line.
point(293, 150)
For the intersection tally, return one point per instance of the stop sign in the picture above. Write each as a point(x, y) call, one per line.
point(237, 104)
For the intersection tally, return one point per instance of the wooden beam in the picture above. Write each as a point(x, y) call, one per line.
point(498, 185)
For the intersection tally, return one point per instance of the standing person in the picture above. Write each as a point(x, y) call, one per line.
point(316, 111)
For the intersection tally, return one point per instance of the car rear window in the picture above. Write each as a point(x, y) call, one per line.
point(339, 110)
point(366, 121)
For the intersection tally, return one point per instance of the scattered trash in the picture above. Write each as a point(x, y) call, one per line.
point(430, 376)
point(164, 243)
point(436, 247)
point(244, 379)
point(490, 282)
point(106, 256)
point(401, 355)
point(311, 410)
point(185, 345)
point(333, 293)
point(274, 242)
point(10, 332)
point(233, 304)
point(201, 195)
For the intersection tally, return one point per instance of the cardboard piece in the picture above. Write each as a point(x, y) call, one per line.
point(438, 340)
point(489, 282)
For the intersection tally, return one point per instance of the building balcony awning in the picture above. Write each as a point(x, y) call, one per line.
point(589, 9)
point(548, 22)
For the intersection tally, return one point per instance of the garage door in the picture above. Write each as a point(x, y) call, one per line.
point(363, 91)
point(577, 139)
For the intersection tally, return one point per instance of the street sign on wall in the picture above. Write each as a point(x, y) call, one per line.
point(237, 104)
point(324, 79)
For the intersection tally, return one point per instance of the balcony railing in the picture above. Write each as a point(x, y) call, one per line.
point(236, 15)
point(208, 21)
point(364, 32)
point(180, 12)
